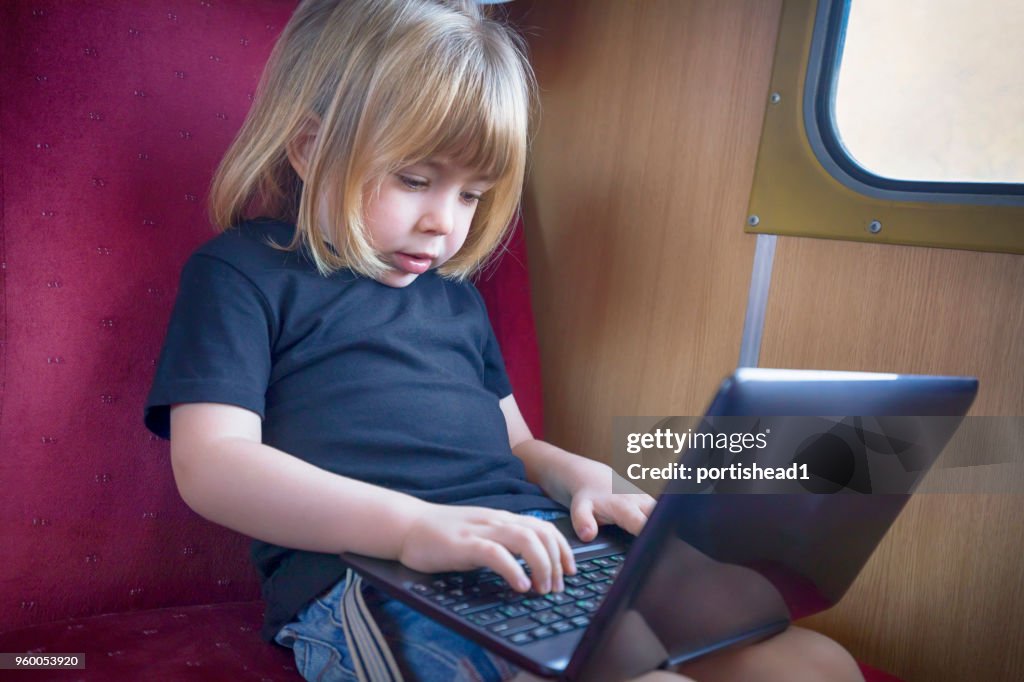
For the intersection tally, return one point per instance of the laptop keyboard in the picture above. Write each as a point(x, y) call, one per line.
point(485, 599)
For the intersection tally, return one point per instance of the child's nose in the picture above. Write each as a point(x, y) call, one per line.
point(439, 219)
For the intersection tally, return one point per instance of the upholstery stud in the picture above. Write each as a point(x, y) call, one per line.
point(92, 558)
point(95, 116)
point(55, 360)
point(103, 478)
point(135, 591)
point(107, 323)
point(42, 145)
point(91, 52)
point(47, 214)
point(40, 522)
point(48, 440)
point(54, 284)
point(104, 250)
point(150, 631)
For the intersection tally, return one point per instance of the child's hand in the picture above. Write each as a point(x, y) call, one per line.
point(594, 503)
point(453, 538)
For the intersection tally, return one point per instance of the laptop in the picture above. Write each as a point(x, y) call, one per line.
point(726, 561)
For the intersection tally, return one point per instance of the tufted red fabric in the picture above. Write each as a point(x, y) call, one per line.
point(113, 117)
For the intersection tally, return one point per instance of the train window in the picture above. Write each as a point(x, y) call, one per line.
point(932, 90)
point(895, 122)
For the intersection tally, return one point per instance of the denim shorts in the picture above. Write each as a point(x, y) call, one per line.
point(424, 650)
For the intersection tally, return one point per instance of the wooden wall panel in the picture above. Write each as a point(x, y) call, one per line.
point(636, 201)
point(635, 206)
point(942, 600)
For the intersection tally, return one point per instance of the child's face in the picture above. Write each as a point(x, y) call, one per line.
point(421, 217)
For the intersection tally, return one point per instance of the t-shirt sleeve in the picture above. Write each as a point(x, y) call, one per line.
point(495, 375)
point(218, 344)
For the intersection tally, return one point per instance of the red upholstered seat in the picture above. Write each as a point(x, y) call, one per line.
point(113, 116)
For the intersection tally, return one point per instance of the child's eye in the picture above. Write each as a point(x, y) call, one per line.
point(471, 197)
point(412, 183)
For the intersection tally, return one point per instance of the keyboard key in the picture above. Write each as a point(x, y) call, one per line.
point(541, 632)
point(603, 562)
point(576, 580)
point(562, 626)
point(588, 605)
point(558, 598)
point(546, 617)
point(521, 638)
point(422, 590)
point(581, 621)
point(512, 626)
point(568, 610)
point(601, 587)
point(485, 618)
point(536, 604)
point(513, 610)
point(577, 592)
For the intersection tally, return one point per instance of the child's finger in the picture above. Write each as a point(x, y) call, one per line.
point(496, 557)
point(557, 546)
point(524, 541)
point(583, 521)
point(629, 516)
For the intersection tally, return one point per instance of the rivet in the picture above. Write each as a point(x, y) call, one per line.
point(874, 227)
point(99, 182)
point(188, 550)
point(135, 591)
point(149, 515)
point(185, 135)
point(172, 16)
point(192, 664)
point(250, 96)
point(244, 42)
point(48, 214)
point(223, 582)
point(55, 360)
point(107, 399)
point(40, 522)
point(775, 98)
point(91, 52)
point(153, 437)
point(143, 156)
point(42, 145)
point(179, 616)
point(95, 116)
point(206, 3)
point(76, 626)
point(134, 32)
point(103, 478)
point(54, 284)
point(115, 653)
point(92, 558)
point(37, 650)
point(139, 93)
point(191, 197)
point(48, 440)
point(179, 74)
point(753, 220)
point(270, 27)
point(39, 12)
point(149, 223)
point(104, 250)
point(41, 78)
point(222, 117)
point(245, 628)
point(215, 58)
point(28, 605)
point(150, 632)
point(154, 291)
point(220, 645)
point(107, 323)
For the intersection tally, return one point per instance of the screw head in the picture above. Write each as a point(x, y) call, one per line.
point(753, 221)
point(874, 227)
point(775, 98)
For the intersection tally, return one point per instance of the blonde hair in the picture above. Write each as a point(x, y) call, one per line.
point(390, 83)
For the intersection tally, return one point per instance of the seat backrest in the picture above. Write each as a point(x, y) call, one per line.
point(113, 118)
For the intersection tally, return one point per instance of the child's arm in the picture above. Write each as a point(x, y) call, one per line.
point(583, 485)
point(227, 475)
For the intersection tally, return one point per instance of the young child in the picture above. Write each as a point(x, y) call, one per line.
point(330, 381)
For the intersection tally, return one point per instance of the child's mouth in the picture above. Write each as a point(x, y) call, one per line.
point(413, 263)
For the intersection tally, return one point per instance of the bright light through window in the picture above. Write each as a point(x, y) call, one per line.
point(933, 90)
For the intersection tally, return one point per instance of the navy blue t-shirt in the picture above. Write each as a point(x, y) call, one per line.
point(394, 387)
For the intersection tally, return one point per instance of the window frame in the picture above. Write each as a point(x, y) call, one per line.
point(825, 62)
point(800, 190)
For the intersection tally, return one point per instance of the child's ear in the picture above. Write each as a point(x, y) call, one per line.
point(300, 148)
